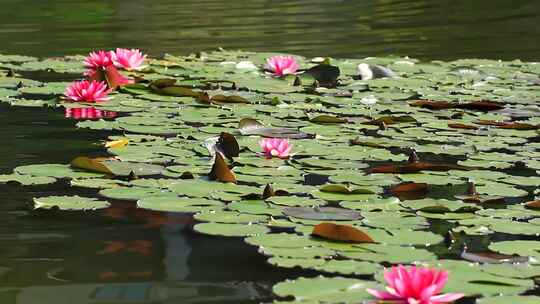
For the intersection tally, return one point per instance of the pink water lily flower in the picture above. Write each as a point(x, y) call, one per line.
point(88, 113)
point(415, 285)
point(129, 59)
point(281, 65)
point(87, 91)
point(276, 147)
point(96, 60)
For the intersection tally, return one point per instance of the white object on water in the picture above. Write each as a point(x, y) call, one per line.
point(371, 71)
point(246, 65)
point(369, 100)
point(407, 62)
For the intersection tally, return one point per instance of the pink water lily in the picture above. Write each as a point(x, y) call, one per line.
point(281, 65)
point(87, 91)
point(88, 113)
point(276, 147)
point(96, 60)
point(129, 59)
point(415, 285)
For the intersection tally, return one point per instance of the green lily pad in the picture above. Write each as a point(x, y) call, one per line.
point(327, 290)
point(322, 213)
point(230, 217)
point(69, 203)
point(54, 170)
point(27, 180)
point(232, 230)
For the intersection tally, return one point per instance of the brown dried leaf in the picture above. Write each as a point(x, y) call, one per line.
point(228, 145)
point(220, 171)
point(343, 233)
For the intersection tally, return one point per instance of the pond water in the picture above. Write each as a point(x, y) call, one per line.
point(124, 254)
point(442, 30)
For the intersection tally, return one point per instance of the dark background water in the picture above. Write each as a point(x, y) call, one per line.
point(129, 254)
point(441, 29)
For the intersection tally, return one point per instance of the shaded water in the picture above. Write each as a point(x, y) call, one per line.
point(121, 253)
point(132, 255)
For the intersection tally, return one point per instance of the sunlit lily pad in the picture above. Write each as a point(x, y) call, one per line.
point(327, 290)
point(54, 170)
point(69, 203)
point(26, 180)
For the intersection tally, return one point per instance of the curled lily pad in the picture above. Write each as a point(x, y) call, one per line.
point(220, 171)
point(492, 257)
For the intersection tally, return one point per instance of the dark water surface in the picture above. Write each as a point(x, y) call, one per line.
point(124, 255)
point(120, 255)
point(428, 29)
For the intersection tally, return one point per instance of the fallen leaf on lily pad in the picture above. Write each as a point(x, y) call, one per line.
point(117, 143)
point(533, 205)
point(508, 125)
point(475, 105)
point(91, 164)
point(344, 233)
point(410, 190)
point(228, 145)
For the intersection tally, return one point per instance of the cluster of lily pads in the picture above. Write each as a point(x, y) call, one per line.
point(437, 165)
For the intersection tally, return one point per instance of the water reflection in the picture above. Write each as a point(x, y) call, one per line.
point(124, 255)
point(88, 113)
point(341, 28)
point(121, 254)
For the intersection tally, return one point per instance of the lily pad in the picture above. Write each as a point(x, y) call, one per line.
point(69, 203)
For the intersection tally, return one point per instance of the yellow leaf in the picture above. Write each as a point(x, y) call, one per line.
point(91, 164)
point(117, 143)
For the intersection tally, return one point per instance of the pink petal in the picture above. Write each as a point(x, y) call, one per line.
point(447, 298)
point(427, 292)
point(379, 294)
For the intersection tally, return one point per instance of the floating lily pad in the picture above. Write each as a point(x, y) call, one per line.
point(26, 180)
point(322, 213)
point(54, 170)
point(69, 203)
point(238, 230)
point(327, 290)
